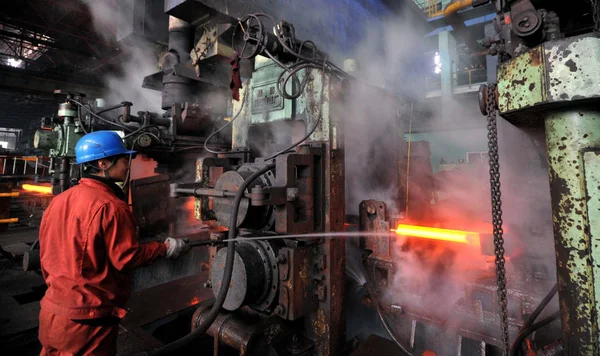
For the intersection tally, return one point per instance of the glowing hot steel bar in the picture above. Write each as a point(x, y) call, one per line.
point(465, 237)
point(37, 188)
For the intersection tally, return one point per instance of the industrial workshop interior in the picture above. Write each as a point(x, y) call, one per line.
point(300, 177)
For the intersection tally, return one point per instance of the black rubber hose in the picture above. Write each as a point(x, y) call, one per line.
point(214, 311)
point(383, 321)
point(516, 346)
point(541, 307)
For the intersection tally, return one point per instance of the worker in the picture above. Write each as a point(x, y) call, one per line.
point(88, 247)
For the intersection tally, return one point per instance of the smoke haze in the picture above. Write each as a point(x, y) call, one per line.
point(134, 62)
point(434, 277)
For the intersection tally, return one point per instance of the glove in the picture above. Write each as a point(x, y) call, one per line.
point(176, 247)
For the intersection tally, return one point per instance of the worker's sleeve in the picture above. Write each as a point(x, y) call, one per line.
point(122, 246)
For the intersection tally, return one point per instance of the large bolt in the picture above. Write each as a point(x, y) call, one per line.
point(280, 310)
point(281, 258)
point(208, 284)
point(292, 194)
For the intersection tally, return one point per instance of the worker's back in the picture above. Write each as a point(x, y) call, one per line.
point(83, 282)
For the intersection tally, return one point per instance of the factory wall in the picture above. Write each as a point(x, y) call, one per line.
point(452, 146)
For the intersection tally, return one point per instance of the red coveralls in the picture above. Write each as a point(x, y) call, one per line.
point(87, 245)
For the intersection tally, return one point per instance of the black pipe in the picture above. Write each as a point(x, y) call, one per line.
point(64, 177)
point(383, 321)
point(516, 346)
point(514, 349)
point(541, 306)
point(214, 312)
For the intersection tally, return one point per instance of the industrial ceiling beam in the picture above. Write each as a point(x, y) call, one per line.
point(14, 80)
point(38, 41)
point(80, 35)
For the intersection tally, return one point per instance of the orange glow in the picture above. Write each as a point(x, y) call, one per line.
point(37, 188)
point(458, 236)
point(195, 301)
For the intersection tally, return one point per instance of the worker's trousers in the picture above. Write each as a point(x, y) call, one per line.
point(62, 336)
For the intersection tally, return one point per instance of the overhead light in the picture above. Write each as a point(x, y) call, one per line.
point(438, 63)
point(13, 62)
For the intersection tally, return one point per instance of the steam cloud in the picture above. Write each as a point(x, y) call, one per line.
point(430, 277)
point(135, 62)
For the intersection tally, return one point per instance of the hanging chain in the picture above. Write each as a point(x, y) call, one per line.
point(497, 212)
point(596, 15)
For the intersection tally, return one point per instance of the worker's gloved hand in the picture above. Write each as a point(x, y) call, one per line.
point(176, 247)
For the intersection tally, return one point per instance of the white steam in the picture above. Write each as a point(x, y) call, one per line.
point(134, 62)
point(434, 278)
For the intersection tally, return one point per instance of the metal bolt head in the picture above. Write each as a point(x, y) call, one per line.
point(280, 310)
point(281, 258)
point(208, 284)
point(292, 194)
point(371, 209)
point(397, 308)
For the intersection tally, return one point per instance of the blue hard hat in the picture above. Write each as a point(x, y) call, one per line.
point(98, 145)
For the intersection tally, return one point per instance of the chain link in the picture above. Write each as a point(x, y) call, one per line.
point(497, 213)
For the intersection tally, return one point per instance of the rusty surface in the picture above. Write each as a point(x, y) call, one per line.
point(551, 75)
point(246, 332)
point(296, 215)
point(157, 302)
point(572, 69)
point(236, 333)
point(294, 293)
point(330, 320)
point(568, 134)
point(149, 206)
point(208, 171)
point(522, 81)
point(372, 215)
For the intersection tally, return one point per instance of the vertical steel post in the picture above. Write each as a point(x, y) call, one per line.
point(571, 136)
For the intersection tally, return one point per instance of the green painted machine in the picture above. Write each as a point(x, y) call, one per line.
point(547, 77)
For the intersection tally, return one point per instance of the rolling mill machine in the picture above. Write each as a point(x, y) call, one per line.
point(269, 185)
point(274, 167)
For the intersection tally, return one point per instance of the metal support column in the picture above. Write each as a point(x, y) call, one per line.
point(557, 84)
point(570, 135)
point(447, 50)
